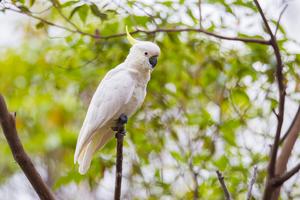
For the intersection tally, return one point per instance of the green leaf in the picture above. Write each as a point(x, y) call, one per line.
point(40, 25)
point(95, 10)
point(82, 11)
point(31, 2)
point(228, 128)
point(274, 103)
point(222, 163)
point(74, 11)
point(240, 98)
point(68, 3)
point(23, 8)
point(177, 156)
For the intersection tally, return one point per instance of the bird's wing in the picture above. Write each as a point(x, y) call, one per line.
point(114, 91)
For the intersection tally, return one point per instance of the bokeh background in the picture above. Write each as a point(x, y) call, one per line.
point(209, 102)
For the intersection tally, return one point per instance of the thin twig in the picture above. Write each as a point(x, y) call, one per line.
point(200, 13)
point(174, 30)
point(41, 19)
point(69, 21)
point(195, 178)
point(251, 183)
point(147, 13)
point(222, 182)
point(119, 160)
point(196, 190)
point(8, 124)
point(278, 21)
point(275, 113)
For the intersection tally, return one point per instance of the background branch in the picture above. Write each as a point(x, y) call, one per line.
point(9, 129)
point(224, 187)
point(280, 180)
point(278, 21)
point(251, 183)
point(158, 30)
point(200, 13)
point(269, 189)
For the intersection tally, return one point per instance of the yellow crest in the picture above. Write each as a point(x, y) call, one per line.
point(130, 39)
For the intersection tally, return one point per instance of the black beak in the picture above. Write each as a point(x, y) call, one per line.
point(153, 61)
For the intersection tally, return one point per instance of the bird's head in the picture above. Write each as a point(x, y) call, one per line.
point(143, 53)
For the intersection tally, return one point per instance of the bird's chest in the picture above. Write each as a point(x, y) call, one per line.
point(136, 99)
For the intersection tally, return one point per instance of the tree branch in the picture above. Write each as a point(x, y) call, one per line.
point(222, 182)
point(69, 21)
point(281, 88)
point(200, 13)
point(174, 30)
point(120, 136)
point(294, 123)
point(279, 18)
point(9, 129)
point(288, 145)
point(195, 178)
point(268, 193)
point(251, 183)
point(280, 180)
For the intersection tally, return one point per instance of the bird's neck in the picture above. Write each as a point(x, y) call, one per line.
point(142, 75)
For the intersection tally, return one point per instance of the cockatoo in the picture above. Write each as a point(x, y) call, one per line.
point(122, 91)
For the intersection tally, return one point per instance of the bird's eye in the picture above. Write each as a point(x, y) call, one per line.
point(146, 53)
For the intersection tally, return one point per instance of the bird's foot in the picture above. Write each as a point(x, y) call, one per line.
point(122, 120)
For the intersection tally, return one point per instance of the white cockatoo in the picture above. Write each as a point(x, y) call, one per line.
point(122, 91)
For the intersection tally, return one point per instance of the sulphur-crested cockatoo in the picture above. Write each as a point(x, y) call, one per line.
point(122, 91)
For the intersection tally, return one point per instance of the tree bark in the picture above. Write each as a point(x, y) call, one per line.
point(287, 148)
point(8, 124)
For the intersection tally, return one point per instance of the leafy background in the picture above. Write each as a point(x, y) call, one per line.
point(209, 102)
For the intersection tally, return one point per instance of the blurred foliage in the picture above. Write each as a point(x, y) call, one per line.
point(198, 116)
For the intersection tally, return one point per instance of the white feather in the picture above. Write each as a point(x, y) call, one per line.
point(122, 91)
point(112, 94)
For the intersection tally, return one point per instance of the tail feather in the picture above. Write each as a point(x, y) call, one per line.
point(86, 155)
point(85, 161)
point(80, 146)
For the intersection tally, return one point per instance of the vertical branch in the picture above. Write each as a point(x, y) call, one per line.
point(278, 21)
point(119, 160)
point(224, 187)
point(195, 178)
point(281, 88)
point(251, 183)
point(200, 13)
point(8, 124)
point(269, 189)
point(196, 192)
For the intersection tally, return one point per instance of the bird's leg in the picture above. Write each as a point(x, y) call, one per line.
point(120, 125)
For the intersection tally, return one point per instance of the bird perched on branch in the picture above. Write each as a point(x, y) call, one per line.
point(122, 91)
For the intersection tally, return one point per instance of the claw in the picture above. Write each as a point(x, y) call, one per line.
point(120, 124)
point(123, 119)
